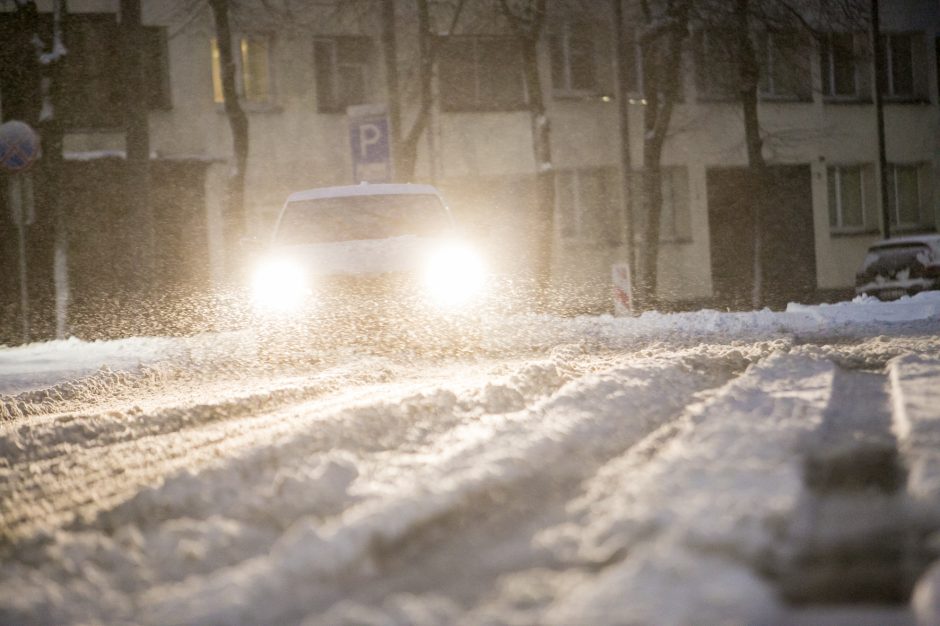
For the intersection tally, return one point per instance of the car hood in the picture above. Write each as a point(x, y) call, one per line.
point(362, 257)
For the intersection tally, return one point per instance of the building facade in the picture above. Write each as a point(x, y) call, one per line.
point(298, 71)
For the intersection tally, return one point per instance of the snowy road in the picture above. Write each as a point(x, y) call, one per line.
point(772, 468)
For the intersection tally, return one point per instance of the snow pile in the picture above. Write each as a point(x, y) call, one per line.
point(697, 522)
point(866, 309)
point(43, 364)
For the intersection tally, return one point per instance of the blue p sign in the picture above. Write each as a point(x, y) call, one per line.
point(369, 140)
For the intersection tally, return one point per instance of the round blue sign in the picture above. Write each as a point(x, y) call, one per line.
point(19, 146)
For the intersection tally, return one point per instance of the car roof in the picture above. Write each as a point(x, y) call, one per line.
point(363, 189)
point(928, 239)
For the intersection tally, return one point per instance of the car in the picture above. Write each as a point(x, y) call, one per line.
point(900, 266)
point(367, 250)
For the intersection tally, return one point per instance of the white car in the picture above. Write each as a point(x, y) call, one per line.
point(386, 249)
point(900, 266)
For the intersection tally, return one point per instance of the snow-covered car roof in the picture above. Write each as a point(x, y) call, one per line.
point(929, 239)
point(363, 189)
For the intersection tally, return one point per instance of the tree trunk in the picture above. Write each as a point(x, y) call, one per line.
point(236, 217)
point(528, 30)
point(390, 45)
point(749, 74)
point(545, 173)
point(137, 143)
point(408, 152)
point(661, 90)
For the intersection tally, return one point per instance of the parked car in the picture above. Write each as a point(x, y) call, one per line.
point(900, 266)
point(369, 249)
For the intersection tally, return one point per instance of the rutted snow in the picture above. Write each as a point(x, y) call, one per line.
point(590, 470)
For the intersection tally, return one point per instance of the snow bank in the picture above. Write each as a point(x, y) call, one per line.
point(707, 509)
point(40, 365)
point(37, 365)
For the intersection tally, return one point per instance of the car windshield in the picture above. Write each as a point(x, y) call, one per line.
point(351, 218)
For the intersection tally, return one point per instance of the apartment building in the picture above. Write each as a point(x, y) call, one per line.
point(297, 72)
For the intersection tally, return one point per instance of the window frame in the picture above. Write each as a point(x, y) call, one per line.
point(580, 209)
point(477, 106)
point(336, 71)
point(769, 49)
point(894, 203)
point(707, 87)
point(835, 182)
point(827, 69)
point(887, 72)
point(562, 37)
point(238, 55)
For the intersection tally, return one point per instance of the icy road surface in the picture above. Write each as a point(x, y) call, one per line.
point(703, 468)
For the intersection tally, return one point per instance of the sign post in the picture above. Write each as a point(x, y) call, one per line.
point(19, 150)
point(370, 143)
point(622, 289)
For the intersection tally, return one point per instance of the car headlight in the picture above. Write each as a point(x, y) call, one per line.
point(453, 275)
point(278, 286)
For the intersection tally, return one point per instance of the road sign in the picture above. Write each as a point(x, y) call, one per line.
point(623, 289)
point(19, 146)
point(369, 140)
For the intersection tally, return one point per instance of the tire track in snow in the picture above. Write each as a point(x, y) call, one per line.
point(477, 462)
point(680, 532)
point(49, 497)
point(533, 380)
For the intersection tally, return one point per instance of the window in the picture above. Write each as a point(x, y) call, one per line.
point(903, 66)
point(847, 206)
point(574, 69)
point(839, 66)
point(156, 64)
point(905, 194)
point(675, 223)
point(343, 68)
point(586, 204)
point(92, 90)
point(717, 70)
point(252, 58)
point(784, 73)
point(479, 73)
point(93, 85)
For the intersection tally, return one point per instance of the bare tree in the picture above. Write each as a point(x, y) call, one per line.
point(661, 45)
point(137, 133)
point(744, 19)
point(238, 121)
point(527, 19)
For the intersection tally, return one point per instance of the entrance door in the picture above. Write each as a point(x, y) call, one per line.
point(788, 253)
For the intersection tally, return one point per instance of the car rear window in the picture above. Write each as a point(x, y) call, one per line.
point(351, 218)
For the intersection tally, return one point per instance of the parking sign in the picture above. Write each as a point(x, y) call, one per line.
point(369, 141)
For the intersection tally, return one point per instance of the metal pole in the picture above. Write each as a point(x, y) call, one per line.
point(623, 106)
point(880, 120)
point(15, 196)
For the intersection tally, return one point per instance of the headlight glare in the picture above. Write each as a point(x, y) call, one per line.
point(278, 286)
point(454, 275)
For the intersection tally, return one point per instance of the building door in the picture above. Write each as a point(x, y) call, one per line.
point(788, 251)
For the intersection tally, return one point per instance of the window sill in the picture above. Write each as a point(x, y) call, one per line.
point(571, 95)
point(854, 232)
point(710, 99)
point(784, 99)
point(910, 100)
point(519, 109)
point(912, 229)
point(253, 107)
point(841, 100)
